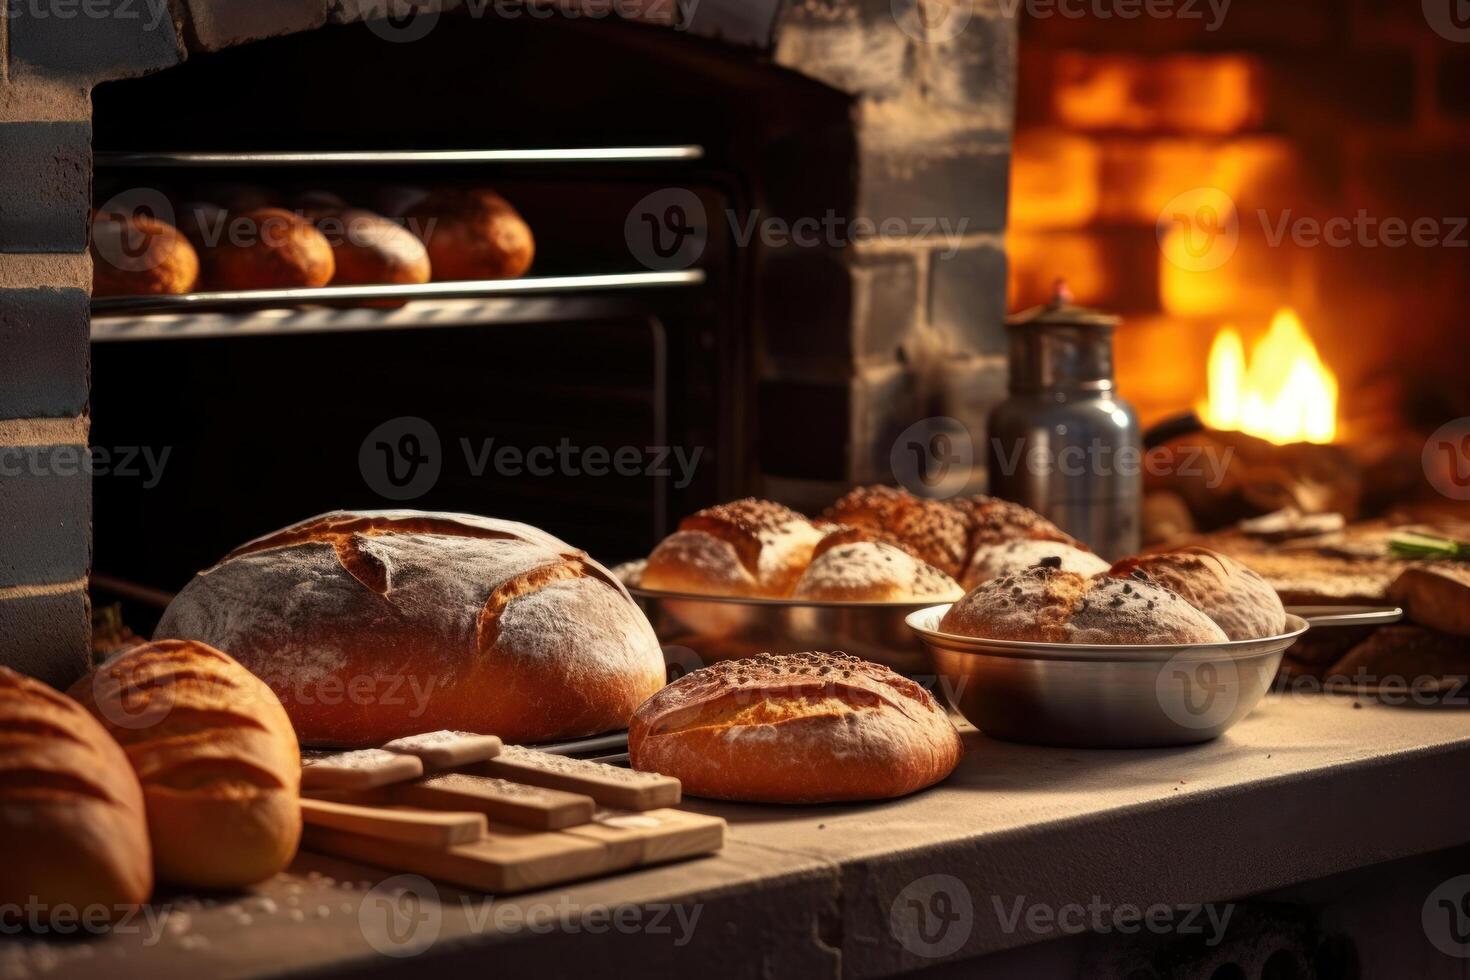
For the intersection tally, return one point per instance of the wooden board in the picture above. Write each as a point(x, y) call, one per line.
point(427, 828)
point(511, 859)
point(531, 807)
point(624, 789)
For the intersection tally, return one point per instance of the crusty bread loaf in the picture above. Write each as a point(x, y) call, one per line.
point(931, 530)
point(746, 548)
point(137, 255)
point(472, 233)
point(267, 248)
point(1240, 601)
point(369, 249)
point(992, 560)
point(373, 625)
point(1046, 604)
point(994, 521)
point(803, 728)
point(215, 753)
point(845, 570)
point(71, 811)
point(1435, 594)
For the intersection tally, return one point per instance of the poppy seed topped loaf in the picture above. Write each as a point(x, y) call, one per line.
point(1240, 601)
point(746, 548)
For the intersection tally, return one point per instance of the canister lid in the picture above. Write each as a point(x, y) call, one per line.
point(1061, 345)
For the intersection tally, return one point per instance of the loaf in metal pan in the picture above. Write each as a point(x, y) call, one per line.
point(750, 548)
point(935, 531)
point(71, 810)
point(215, 754)
point(373, 625)
point(800, 728)
point(1240, 601)
point(847, 568)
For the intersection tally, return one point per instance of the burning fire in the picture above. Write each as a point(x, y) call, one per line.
point(1283, 394)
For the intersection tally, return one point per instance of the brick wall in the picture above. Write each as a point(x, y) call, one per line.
point(1295, 109)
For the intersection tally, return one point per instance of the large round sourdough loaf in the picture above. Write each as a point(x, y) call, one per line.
point(373, 625)
point(71, 811)
point(801, 728)
point(1240, 601)
point(215, 754)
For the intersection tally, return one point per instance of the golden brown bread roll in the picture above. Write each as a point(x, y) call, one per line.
point(802, 728)
point(369, 249)
point(1236, 598)
point(746, 548)
point(267, 248)
point(374, 625)
point(1048, 605)
point(472, 233)
point(846, 569)
point(992, 560)
point(71, 810)
point(994, 521)
point(931, 530)
point(137, 255)
point(216, 756)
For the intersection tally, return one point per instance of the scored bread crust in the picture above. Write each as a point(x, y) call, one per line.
point(216, 757)
point(934, 531)
point(1049, 605)
point(1240, 601)
point(750, 547)
point(994, 521)
point(872, 571)
point(71, 808)
point(373, 625)
point(991, 560)
point(800, 728)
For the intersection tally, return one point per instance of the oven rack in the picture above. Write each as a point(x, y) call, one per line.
point(120, 159)
point(435, 304)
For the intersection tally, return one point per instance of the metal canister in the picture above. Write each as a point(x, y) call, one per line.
point(1064, 443)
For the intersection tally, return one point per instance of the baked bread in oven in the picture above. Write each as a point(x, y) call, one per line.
point(751, 548)
point(369, 249)
point(71, 810)
point(1240, 601)
point(266, 248)
point(929, 529)
point(991, 560)
point(215, 754)
point(845, 568)
point(138, 255)
point(802, 728)
point(472, 233)
point(1048, 605)
point(373, 625)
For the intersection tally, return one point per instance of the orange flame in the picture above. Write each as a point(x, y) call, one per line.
point(1283, 394)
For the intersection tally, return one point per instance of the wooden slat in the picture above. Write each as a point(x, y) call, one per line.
point(532, 807)
point(611, 786)
point(427, 828)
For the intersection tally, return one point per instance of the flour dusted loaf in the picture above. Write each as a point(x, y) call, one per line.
point(1240, 601)
point(992, 560)
point(367, 248)
point(1046, 604)
point(929, 529)
point(215, 754)
point(374, 625)
point(994, 521)
point(803, 728)
point(751, 548)
point(846, 568)
point(71, 811)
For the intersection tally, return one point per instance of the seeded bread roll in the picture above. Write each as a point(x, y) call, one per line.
point(847, 570)
point(267, 248)
point(803, 728)
point(71, 810)
point(215, 754)
point(1240, 601)
point(991, 560)
point(755, 548)
point(931, 530)
point(994, 521)
point(136, 255)
point(1048, 605)
point(373, 625)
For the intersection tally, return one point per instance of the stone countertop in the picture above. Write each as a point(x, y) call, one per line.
point(1307, 786)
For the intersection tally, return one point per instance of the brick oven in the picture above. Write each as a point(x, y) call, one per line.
point(894, 130)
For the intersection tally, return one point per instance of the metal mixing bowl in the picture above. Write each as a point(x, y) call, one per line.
point(1102, 696)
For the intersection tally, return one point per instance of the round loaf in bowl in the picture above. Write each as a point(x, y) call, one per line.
point(1045, 604)
point(992, 560)
point(215, 754)
point(373, 625)
point(847, 570)
point(71, 810)
point(929, 529)
point(1244, 605)
point(800, 728)
point(751, 548)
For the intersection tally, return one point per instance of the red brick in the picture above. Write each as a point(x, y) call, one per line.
point(1213, 94)
point(47, 636)
point(1056, 180)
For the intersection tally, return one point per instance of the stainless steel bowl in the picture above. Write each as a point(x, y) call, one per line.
point(1102, 696)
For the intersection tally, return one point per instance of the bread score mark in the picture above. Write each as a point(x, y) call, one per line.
point(774, 704)
point(487, 630)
